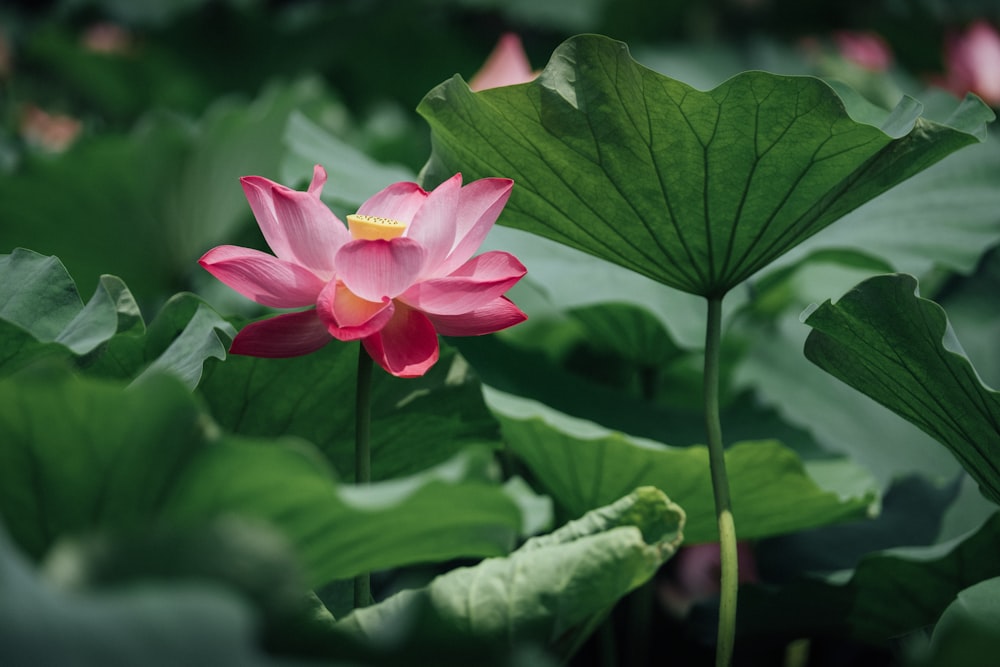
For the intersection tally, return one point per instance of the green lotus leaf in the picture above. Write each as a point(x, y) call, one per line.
point(697, 190)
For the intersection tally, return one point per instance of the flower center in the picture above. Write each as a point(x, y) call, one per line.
point(370, 227)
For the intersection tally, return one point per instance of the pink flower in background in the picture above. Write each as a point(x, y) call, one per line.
point(107, 38)
point(506, 65)
point(396, 276)
point(866, 49)
point(51, 132)
point(972, 60)
point(696, 573)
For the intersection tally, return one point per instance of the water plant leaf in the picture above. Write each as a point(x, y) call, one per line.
point(551, 591)
point(81, 455)
point(888, 595)
point(894, 346)
point(416, 423)
point(584, 466)
point(697, 190)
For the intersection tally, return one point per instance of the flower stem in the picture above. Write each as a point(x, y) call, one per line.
point(720, 486)
point(362, 454)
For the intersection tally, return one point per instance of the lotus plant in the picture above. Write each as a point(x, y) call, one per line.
point(399, 273)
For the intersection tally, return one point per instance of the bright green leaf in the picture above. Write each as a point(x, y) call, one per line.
point(82, 455)
point(887, 342)
point(697, 190)
point(553, 590)
point(584, 466)
point(38, 295)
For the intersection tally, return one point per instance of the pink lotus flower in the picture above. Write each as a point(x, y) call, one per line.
point(396, 276)
point(866, 49)
point(973, 63)
point(506, 65)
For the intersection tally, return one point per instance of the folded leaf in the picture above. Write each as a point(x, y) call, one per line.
point(39, 296)
point(551, 591)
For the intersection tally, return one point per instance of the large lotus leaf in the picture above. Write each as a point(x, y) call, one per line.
point(584, 466)
point(551, 591)
point(81, 454)
point(884, 340)
point(416, 423)
point(697, 190)
point(888, 595)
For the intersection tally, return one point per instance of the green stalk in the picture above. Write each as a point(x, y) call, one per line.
point(720, 485)
point(363, 454)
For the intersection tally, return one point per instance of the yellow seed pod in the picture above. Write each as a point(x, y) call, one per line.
point(370, 227)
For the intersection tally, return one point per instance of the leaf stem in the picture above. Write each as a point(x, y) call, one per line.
point(720, 485)
point(362, 454)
